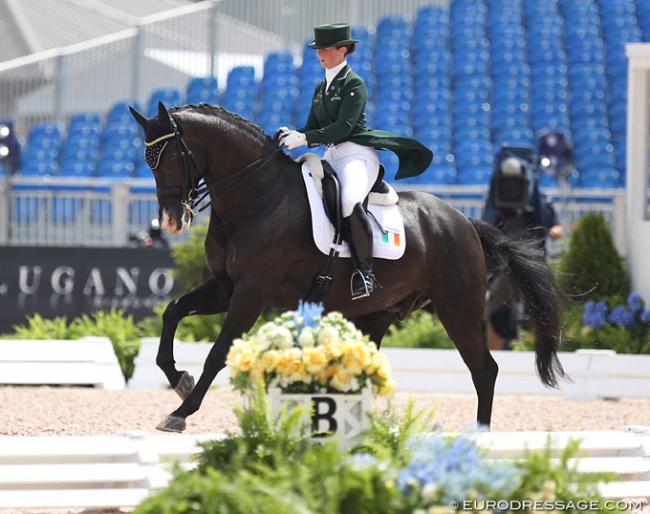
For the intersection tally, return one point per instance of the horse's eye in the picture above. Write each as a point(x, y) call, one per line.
point(169, 156)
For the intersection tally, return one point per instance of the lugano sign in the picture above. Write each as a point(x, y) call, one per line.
point(72, 281)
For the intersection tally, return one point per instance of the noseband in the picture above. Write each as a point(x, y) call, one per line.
point(189, 191)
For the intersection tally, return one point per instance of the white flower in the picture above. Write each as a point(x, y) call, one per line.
point(306, 338)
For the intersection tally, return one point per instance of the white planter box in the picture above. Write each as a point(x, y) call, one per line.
point(341, 416)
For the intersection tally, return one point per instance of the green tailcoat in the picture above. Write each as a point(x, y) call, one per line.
point(339, 114)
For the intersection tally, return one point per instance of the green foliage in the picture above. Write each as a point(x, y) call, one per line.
point(544, 479)
point(38, 327)
point(270, 467)
point(591, 268)
point(115, 324)
point(577, 335)
point(189, 258)
point(118, 327)
point(420, 330)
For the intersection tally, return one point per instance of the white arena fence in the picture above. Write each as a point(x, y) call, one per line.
point(95, 472)
point(91, 361)
point(596, 374)
point(103, 212)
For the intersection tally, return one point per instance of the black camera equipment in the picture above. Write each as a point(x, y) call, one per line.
point(514, 174)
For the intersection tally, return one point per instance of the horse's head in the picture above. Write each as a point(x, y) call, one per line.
point(173, 167)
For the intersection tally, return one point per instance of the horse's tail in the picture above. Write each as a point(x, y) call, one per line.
point(523, 259)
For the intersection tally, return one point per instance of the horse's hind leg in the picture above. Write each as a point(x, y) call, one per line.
point(209, 298)
point(463, 326)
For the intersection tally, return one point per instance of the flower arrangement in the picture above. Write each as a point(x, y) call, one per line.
point(305, 352)
point(627, 326)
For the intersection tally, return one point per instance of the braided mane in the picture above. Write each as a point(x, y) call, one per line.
point(226, 115)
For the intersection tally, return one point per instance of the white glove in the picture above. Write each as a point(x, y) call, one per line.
point(280, 133)
point(293, 139)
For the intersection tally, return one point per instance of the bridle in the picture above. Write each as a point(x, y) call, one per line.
point(192, 193)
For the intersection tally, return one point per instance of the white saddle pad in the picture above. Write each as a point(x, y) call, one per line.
point(389, 240)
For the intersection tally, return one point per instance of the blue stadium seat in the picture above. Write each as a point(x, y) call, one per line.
point(117, 169)
point(85, 118)
point(119, 111)
point(202, 90)
point(169, 96)
point(77, 168)
point(475, 176)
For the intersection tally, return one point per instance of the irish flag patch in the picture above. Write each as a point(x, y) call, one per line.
point(391, 238)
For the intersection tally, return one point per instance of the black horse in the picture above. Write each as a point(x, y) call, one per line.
point(260, 251)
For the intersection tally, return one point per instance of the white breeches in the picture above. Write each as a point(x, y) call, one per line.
point(357, 167)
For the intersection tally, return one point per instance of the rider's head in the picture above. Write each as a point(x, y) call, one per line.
point(333, 43)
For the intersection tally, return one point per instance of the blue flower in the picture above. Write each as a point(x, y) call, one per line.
point(594, 314)
point(601, 308)
point(622, 316)
point(453, 469)
point(310, 313)
point(644, 317)
point(635, 302)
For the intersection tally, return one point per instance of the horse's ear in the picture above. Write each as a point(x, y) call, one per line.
point(141, 119)
point(163, 115)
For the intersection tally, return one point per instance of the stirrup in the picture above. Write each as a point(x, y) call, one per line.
point(365, 284)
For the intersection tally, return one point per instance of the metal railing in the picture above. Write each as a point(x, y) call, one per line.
point(96, 212)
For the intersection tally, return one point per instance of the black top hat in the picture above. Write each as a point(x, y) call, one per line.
point(335, 34)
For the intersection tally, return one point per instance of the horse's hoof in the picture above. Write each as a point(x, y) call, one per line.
point(185, 385)
point(172, 424)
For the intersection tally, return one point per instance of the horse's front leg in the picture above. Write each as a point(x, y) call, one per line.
point(211, 297)
point(242, 314)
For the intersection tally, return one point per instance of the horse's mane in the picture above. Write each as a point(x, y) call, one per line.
point(226, 115)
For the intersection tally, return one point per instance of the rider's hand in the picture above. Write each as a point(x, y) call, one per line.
point(280, 133)
point(556, 232)
point(293, 139)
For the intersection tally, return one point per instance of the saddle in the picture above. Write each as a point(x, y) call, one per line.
point(329, 188)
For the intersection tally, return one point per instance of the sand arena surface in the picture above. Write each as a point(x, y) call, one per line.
point(77, 411)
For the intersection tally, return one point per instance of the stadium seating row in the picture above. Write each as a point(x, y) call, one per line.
point(464, 80)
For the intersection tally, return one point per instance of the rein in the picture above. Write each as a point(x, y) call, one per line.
point(190, 192)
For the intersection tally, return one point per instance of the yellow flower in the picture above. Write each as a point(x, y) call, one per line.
point(356, 357)
point(341, 380)
point(290, 362)
point(315, 359)
point(332, 350)
point(270, 360)
point(388, 387)
point(241, 358)
point(256, 375)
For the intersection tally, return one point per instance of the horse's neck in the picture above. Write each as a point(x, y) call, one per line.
point(261, 193)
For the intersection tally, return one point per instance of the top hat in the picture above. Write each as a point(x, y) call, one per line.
point(336, 34)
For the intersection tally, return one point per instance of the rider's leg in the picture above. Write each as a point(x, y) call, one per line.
point(363, 281)
point(357, 168)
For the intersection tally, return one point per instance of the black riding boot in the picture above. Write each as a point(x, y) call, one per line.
point(363, 280)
